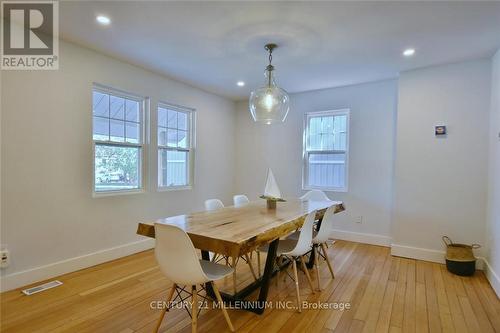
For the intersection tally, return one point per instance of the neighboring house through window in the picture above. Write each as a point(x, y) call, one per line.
point(326, 150)
point(175, 146)
point(118, 136)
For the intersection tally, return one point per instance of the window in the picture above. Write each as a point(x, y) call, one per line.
point(175, 146)
point(326, 148)
point(118, 128)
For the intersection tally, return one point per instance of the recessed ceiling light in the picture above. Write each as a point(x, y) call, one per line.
point(240, 84)
point(104, 20)
point(408, 52)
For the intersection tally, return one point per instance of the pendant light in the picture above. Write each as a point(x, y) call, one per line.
point(269, 104)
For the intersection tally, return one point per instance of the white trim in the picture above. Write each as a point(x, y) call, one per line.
point(418, 253)
point(359, 237)
point(23, 278)
point(174, 188)
point(492, 277)
point(112, 193)
point(437, 256)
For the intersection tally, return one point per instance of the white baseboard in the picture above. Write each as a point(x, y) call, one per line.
point(492, 277)
point(418, 253)
point(359, 237)
point(425, 254)
point(23, 278)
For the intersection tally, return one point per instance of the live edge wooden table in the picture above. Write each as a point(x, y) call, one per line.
point(236, 231)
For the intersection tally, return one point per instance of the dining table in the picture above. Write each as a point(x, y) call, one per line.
point(236, 231)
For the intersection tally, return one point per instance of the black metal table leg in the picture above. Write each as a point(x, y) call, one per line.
point(205, 255)
point(238, 300)
point(268, 273)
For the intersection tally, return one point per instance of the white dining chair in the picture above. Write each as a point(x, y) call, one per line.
point(295, 249)
point(178, 260)
point(214, 204)
point(240, 200)
point(315, 195)
point(320, 242)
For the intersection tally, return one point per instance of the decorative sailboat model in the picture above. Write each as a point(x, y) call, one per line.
point(272, 192)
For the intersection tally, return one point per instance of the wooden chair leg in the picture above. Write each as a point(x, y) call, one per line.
point(258, 263)
point(194, 310)
point(323, 247)
point(306, 271)
point(249, 261)
point(296, 277)
point(224, 311)
point(316, 263)
point(163, 311)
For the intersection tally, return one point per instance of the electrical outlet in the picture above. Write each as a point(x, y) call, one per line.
point(358, 219)
point(4, 258)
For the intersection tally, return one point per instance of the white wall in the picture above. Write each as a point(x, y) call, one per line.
point(373, 108)
point(440, 183)
point(49, 214)
point(493, 226)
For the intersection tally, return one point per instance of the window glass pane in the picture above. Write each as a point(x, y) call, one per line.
point(172, 119)
point(182, 120)
point(172, 168)
point(314, 125)
point(327, 124)
point(132, 131)
point(162, 117)
point(340, 141)
point(117, 107)
point(182, 139)
point(117, 130)
point(162, 136)
point(132, 110)
point(101, 128)
point(340, 128)
point(116, 168)
point(327, 170)
point(328, 133)
point(172, 138)
point(100, 104)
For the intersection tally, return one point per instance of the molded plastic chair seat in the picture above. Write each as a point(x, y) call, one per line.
point(213, 204)
point(295, 235)
point(284, 246)
point(315, 195)
point(215, 271)
point(240, 200)
point(178, 261)
point(294, 250)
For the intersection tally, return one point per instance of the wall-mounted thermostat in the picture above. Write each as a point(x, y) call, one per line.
point(440, 130)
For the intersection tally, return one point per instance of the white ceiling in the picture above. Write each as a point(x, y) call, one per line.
point(212, 45)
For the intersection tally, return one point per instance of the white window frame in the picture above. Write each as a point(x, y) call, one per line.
point(143, 104)
point(190, 148)
point(306, 151)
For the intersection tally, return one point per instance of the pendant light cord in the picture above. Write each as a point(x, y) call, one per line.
point(270, 67)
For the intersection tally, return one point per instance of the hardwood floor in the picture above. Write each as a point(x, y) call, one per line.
point(386, 294)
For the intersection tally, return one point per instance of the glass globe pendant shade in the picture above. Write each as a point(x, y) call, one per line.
point(269, 104)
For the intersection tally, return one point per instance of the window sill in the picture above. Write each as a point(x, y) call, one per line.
point(116, 193)
point(326, 189)
point(174, 188)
